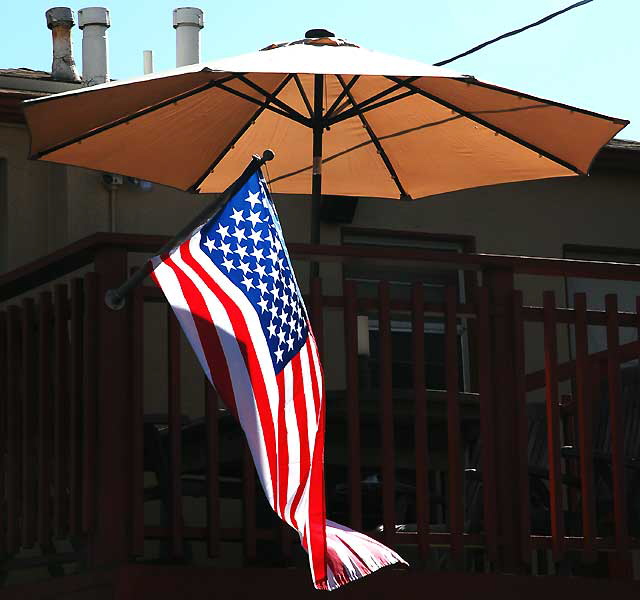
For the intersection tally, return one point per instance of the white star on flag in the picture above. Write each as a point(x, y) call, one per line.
point(237, 217)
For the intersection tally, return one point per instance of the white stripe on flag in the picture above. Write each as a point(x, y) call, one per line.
point(173, 292)
point(293, 441)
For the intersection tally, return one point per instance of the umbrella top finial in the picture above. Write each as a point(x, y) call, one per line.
point(319, 33)
point(315, 37)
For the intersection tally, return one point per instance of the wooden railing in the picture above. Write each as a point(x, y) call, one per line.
point(84, 458)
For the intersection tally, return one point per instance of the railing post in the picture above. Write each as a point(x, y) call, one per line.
point(109, 538)
point(500, 283)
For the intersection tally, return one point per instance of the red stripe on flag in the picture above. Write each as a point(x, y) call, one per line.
point(283, 451)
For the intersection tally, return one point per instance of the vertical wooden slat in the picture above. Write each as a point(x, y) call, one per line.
point(500, 283)
point(353, 404)
point(61, 409)
point(89, 393)
point(522, 425)
point(13, 431)
point(3, 428)
point(213, 457)
point(386, 414)
point(420, 408)
point(248, 503)
point(29, 499)
point(75, 408)
point(137, 421)
point(175, 434)
point(45, 439)
point(487, 416)
point(456, 487)
point(553, 425)
point(616, 412)
point(585, 426)
point(317, 320)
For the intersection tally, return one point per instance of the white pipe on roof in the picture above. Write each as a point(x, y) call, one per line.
point(94, 22)
point(147, 61)
point(187, 21)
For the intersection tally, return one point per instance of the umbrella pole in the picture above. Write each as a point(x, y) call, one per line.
point(316, 178)
point(115, 299)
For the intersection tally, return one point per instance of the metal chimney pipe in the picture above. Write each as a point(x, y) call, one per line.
point(94, 22)
point(60, 21)
point(187, 22)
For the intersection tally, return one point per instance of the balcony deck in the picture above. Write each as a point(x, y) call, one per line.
point(504, 444)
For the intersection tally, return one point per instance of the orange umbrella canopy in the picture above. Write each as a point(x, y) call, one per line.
point(386, 126)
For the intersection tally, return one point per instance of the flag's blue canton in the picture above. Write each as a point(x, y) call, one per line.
point(245, 242)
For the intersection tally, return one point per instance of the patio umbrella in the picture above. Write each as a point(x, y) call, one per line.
point(343, 120)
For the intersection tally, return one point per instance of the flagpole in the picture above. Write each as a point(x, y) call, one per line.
point(115, 299)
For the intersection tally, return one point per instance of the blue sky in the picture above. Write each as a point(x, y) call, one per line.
point(588, 57)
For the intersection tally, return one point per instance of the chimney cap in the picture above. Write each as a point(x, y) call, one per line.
point(188, 15)
point(93, 15)
point(60, 15)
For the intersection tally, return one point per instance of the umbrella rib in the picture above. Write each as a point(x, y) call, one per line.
point(303, 94)
point(293, 113)
point(366, 103)
point(352, 112)
point(135, 115)
point(293, 116)
point(494, 128)
point(376, 142)
point(236, 137)
point(340, 97)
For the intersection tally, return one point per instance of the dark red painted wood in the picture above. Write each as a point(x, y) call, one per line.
point(213, 457)
point(487, 416)
point(386, 414)
point(317, 320)
point(248, 503)
point(60, 409)
point(454, 443)
point(553, 425)
point(3, 424)
point(89, 392)
point(500, 283)
point(585, 399)
point(110, 541)
point(420, 430)
point(175, 435)
point(14, 450)
point(29, 416)
point(522, 427)
point(616, 412)
point(137, 422)
point(84, 251)
point(45, 431)
point(75, 407)
point(353, 405)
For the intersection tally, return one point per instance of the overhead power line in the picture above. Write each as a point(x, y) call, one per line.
point(511, 33)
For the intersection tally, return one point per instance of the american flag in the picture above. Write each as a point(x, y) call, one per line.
point(234, 292)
